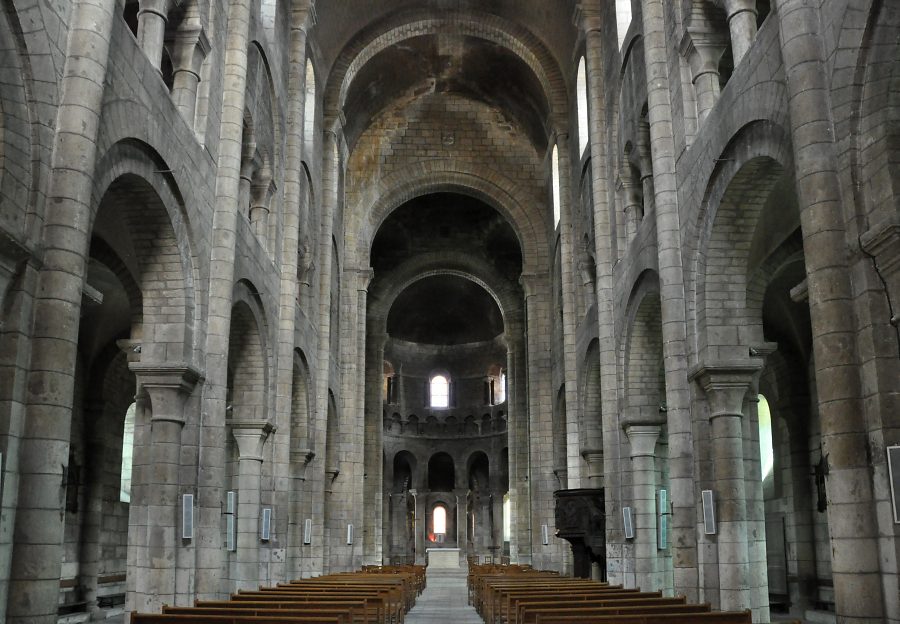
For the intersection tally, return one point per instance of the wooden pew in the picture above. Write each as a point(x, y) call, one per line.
point(720, 617)
point(529, 603)
point(354, 612)
point(529, 612)
point(161, 618)
point(373, 606)
point(379, 595)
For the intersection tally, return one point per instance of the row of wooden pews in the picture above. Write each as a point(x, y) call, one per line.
point(521, 595)
point(374, 595)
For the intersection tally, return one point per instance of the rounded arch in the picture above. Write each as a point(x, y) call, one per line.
point(247, 361)
point(441, 472)
point(478, 469)
point(302, 421)
point(591, 416)
point(383, 295)
point(522, 212)
point(644, 372)
point(756, 159)
point(405, 466)
point(332, 435)
point(416, 23)
point(139, 213)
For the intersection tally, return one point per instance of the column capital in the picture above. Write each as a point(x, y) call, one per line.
point(882, 241)
point(733, 7)
point(530, 283)
point(167, 386)
point(587, 17)
point(251, 436)
point(703, 48)
point(303, 15)
point(363, 277)
point(726, 384)
point(643, 439)
point(158, 7)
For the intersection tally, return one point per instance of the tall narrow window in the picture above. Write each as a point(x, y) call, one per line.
point(439, 520)
point(581, 85)
point(127, 456)
point(766, 450)
point(554, 170)
point(623, 19)
point(507, 518)
point(500, 394)
point(440, 391)
point(309, 111)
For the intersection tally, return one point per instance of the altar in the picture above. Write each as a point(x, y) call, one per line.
point(442, 557)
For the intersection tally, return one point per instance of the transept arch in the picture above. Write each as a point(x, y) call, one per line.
point(434, 176)
point(411, 24)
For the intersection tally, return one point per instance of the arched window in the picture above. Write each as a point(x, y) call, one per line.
point(309, 111)
point(581, 85)
point(127, 456)
point(440, 391)
point(500, 395)
point(623, 19)
point(439, 520)
point(554, 170)
point(766, 450)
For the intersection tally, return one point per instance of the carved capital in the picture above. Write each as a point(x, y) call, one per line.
point(726, 384)
point(882, 242)
point(250, 436)
point(643, 439)
point(587, 17)
point(703, 49)
point(167, 387)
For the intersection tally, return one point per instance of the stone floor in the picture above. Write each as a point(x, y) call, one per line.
point(444, 600)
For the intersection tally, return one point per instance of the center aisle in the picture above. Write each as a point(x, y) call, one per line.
point(444, 600)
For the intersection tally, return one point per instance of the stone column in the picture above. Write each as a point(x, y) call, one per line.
point(539, 436)
point(703, 47)
point(646, 163)
point(331, 165)
point(248, 168)
point(642, 437)
point(191, 48)
point(856, 569)
point(167, 387)
point(461, 496)
point(210, 554)
point(250, 437)
point(294, 219)
point(44, 449)
point(419, 525)
point(634, 203)
point(593, 457)
point(518, 435)
point(590, 21)
point(92, 523)
point(152, 18)
point(570, 314)
point(375, 479)
point(742, 24)
point(671, 295)
point(726, 385)
point(261, 192)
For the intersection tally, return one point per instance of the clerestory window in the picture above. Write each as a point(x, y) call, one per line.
point(440, 391)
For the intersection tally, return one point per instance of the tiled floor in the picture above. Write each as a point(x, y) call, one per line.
point(444, 601)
